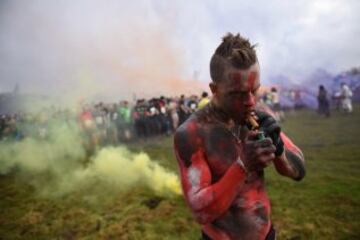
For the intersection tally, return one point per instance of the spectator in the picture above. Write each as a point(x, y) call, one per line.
point(192, 104)
point(183, 110)
point(323, 102)
point(204, 100)
point(346, 95)
point(124, 121)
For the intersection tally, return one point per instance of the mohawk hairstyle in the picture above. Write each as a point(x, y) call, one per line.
point(234, 50)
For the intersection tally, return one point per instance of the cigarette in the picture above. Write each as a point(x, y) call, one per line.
point(253, 122)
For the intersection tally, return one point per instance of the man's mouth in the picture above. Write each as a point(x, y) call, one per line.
point(250, 113)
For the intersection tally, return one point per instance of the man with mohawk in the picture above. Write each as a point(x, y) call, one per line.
point(222, 157)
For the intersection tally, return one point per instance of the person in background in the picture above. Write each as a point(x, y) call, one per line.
point(275, 104)
point(183, 110)
point(346, 95)
point(323, 102)
point(173, 113)
point(88, 127)
point(204, 100)
point(124, 121)
point(192, 104)
point(140, 115)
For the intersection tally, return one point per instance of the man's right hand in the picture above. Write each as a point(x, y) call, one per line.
point(257, 154)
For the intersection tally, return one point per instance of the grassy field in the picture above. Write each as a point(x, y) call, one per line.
point(325, 205)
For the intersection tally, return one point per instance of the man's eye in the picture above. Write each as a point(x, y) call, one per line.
point(256, 91)
point(237, 94)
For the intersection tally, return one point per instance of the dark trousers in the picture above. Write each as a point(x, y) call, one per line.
point(270, 236)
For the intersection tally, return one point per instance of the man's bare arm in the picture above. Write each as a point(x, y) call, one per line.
point(207, 200)
point(291, 162)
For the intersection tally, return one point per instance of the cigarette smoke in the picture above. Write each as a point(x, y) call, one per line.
point(56, 167)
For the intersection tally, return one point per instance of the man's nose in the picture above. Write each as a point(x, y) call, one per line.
point(250, 100)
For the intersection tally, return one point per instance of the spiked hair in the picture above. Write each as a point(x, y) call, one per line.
point(235, 51)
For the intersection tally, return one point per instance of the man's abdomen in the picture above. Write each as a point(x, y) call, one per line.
point(248, 217)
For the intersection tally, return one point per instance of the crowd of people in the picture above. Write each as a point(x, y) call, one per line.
point(107, 123)
point(272, 99)
point(342, 100)
point(111, 123)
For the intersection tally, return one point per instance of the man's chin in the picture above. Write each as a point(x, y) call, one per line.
point(240, 121)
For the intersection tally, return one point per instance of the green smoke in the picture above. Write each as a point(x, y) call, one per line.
point(57, 165)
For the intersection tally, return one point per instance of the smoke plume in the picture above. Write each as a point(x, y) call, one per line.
point(90, 50)
point(55, 166)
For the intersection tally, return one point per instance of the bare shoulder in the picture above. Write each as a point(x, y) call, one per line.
point(188, 138)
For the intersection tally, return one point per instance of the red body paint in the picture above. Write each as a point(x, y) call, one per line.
point(251, 81)
point(223, 199)
point(236, 80)
point(214, 183)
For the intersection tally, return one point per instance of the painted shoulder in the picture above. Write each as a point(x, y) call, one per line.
point(188, 138)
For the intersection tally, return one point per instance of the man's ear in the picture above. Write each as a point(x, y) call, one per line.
point(213, 88)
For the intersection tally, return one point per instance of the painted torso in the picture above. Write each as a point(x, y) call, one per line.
point(248, 214)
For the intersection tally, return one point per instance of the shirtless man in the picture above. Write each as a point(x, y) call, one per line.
point(221, 161)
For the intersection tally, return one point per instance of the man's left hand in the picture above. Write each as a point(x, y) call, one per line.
point(272, 129)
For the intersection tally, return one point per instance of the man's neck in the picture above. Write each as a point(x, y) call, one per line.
point(220, 115)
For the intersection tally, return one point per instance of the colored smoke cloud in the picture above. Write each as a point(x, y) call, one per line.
point(56, 167)
point(90, 50)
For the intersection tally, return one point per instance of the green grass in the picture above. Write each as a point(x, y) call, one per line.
point(325, 205)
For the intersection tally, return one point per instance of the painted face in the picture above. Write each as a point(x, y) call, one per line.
point(236, 94)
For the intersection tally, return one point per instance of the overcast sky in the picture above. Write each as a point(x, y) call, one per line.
point(92, 47)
